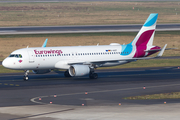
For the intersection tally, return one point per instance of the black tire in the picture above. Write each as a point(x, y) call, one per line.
point(66, 74)
point(26, 78)
point(93, 76)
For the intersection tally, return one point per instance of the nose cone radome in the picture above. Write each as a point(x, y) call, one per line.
point(5, 63)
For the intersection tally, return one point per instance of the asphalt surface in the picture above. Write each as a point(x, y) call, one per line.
point(10, 1)
point(109, 88)
point(82, 29)
point(51, 96)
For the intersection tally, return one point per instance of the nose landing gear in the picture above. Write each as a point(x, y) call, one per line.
point(26, 75)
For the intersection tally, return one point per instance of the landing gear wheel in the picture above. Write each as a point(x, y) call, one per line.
point(26, 78)
point(93, 76)
point(66, 74)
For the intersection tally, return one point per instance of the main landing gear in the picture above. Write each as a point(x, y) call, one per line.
point(66, 74)
point(26, 75)
point(93, 75)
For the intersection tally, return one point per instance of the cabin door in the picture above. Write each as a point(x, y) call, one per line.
point(31, 56)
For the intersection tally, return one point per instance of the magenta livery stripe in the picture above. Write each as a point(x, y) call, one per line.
point(141, 43)
point(144, 38)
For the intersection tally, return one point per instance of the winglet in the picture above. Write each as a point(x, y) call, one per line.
point(162, 51)
point(45, 42)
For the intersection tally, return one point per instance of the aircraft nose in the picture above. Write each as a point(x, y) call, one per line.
point(5, 63)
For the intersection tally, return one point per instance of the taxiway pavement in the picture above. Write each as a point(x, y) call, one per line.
point(82, 29)
point(51, 96)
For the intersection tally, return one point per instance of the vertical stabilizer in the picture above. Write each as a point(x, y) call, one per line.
point(146, 34)
point(144, 39)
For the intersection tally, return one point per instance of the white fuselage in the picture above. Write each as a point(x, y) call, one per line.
point(62, 57)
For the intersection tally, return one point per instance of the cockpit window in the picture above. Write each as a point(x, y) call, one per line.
point(15, 55)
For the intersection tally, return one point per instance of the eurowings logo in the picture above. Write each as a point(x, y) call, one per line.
point(20, 61)
point(48, 52)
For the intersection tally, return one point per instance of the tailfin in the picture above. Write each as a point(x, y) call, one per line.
point(146, 34)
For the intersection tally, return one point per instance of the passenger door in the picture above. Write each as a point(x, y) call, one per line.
point(31, 56)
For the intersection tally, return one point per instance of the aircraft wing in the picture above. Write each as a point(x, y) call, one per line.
point(125, 59)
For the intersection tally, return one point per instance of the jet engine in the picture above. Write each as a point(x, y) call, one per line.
point(79, 70)
point(41, 71)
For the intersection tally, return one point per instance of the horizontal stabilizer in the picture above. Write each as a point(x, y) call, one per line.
point(162, 51)
point(152, 50)
point(171, 48)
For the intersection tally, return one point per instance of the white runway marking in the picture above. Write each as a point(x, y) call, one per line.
point(101, 91)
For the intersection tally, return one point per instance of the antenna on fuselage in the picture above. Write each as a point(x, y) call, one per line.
point(98, 44)
point(28, 46)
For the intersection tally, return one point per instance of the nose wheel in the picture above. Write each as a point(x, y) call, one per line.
point(26, 78)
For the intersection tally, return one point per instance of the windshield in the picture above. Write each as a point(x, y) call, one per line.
point(15, 55)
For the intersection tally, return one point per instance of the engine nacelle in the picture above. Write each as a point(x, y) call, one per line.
point(79, 70)
point(41, 71)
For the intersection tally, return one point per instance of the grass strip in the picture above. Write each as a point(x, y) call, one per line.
point(9, 43)
point(5, 70)
point(85, 13)
point(172, 95)
point(148, 63)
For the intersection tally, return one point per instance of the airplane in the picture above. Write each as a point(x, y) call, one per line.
point(82, 60)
